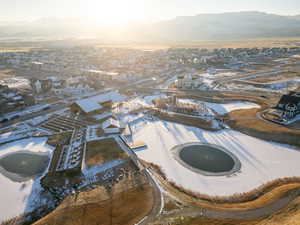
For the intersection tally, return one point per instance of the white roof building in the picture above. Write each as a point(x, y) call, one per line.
point(103, 115)
point(94, 103)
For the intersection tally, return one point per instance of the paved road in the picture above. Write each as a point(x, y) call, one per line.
point(158, 200)
point(251, 214)
point(53, 108)
point(255, 213)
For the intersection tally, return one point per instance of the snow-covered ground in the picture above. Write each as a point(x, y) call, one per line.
point(137, 103)
point(224, 108)
point(218, 75)
point(272, 89)
point(209, 78)
point(16, 82)
point(14, 133)
point(228, 107)
point(261, 161)
point(19, 197)
point(25, 111)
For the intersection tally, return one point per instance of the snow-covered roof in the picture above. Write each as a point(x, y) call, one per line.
point(102, 116)
point(94, 103)
point(88, 105)
point(10, 95)
point(103, 72)
point(110, 122)
point(18, 97)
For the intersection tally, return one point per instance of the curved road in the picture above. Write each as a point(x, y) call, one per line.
point(158, 201)
point(258, 115)
point(251, 214)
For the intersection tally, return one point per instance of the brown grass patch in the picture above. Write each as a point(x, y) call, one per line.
point(189, 121)
point(278, 77)
point(6, 73)
point(102, 151)
point(253, 126)
point(59, 138)
point(170, 205)
point(208, 44)
point(124, 208)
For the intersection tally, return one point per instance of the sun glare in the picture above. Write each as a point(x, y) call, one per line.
point(116, 12)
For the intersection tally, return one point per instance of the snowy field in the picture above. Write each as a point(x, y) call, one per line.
point(218, 75)
point(138, 103)
point(280, 89)
point(15, 82)
point(17, 198)
point(261, 161)
point(228, 107)
point(223, 109)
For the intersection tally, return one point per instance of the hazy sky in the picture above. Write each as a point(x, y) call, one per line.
point(126, 11)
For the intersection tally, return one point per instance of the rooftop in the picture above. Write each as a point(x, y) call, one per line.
point(110, 122)
point(103, 72)
point(94, 103)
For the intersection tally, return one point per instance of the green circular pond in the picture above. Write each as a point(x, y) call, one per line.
point(211, 160)
point(24, 164)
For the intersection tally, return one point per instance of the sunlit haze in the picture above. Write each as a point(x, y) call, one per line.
point(150, 112)
point(135, 11)
point(116, 12)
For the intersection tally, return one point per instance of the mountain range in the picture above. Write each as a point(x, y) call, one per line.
point(224, 26)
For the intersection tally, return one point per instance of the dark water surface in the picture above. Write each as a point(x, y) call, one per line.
point(25, 164)
point(207, 158)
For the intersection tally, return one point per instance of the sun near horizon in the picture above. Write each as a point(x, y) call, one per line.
point(115, 12)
